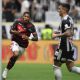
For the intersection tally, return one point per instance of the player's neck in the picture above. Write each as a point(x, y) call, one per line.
point(64, 15)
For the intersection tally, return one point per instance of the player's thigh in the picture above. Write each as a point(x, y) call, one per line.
point(71, 57)
point(57, 63)
point(69, 64)
point(16, 49)
point(21, 50)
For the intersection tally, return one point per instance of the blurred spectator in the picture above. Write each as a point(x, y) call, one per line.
point(71, 2)
point(62, 1)
point(53, 5)
point(32, 8)
point(38, 8)
point(9, 10)
point(18, 5)
point(25, 6)
point(46, 4)
point(46, 33)
point(4, 34)
point(77, 2)
point(74, 14)
point(3, 10)
point(76, 33)
point(38, 13)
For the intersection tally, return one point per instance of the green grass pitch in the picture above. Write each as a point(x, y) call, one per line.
point(25, 71)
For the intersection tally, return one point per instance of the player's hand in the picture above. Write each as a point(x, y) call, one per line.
point(24, 37)
point(15, 32)
point(57, 32)
point(54, 35)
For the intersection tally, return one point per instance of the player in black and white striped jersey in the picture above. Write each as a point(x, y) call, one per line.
point(65, 51)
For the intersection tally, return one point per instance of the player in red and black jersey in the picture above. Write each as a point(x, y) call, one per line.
point(20, 32)
point(22, 28)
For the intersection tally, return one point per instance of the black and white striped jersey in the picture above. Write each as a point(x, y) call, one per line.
point(65, 43)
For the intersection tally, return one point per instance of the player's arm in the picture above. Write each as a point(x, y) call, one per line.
point(25, 37)
point(14, 32)
point(68, 31)
point(35, 38)
point(34, 33)
point(13, 29)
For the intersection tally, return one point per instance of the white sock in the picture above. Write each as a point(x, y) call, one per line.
point(6, 69)
point(4, 75)
point(57, 73)
point(75, 69)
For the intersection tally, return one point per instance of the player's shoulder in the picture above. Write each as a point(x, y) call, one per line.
point(68, 19)
point(18, 20)
point(71, 20)
point(30, 24)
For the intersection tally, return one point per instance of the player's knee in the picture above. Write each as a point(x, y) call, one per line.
point(69, 69)
point(57, 72)
point(16, 53)
point(75, 69)
point(72, 68)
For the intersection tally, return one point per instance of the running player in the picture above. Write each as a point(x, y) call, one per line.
point(65, 51)
point(20, 32)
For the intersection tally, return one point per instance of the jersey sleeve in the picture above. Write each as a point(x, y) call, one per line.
point(13, 27)
point(32, 28)
point(68, 24)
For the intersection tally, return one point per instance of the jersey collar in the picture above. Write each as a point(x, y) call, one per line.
point(65, 17)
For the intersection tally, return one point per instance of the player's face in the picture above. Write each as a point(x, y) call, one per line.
point(26, 17)
point(61, 10)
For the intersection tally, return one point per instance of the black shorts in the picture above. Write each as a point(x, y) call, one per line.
point(63, 56)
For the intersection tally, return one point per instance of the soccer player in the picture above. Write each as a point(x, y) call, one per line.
point(20, 32)
point(65, 50)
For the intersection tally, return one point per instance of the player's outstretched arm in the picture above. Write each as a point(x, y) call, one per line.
point(14, 32)
point(67, 33)
point(35, 37)
point(25, 37)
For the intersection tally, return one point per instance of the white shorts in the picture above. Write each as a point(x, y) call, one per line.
point(15, 47)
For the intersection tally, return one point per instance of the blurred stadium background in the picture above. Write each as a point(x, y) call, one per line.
point(36, 63)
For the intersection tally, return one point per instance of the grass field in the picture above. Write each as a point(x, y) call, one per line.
point(38, 72)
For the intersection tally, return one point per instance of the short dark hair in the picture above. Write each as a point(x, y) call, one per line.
point(27, 12)
point(47, 26)
point(67, 6)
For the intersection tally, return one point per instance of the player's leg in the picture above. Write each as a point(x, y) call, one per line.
point(16, 54)
point(72, 68)
point(10, 64)
point(71, 57)
point(57, 70)
point(57, 65)
point(12, 60)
